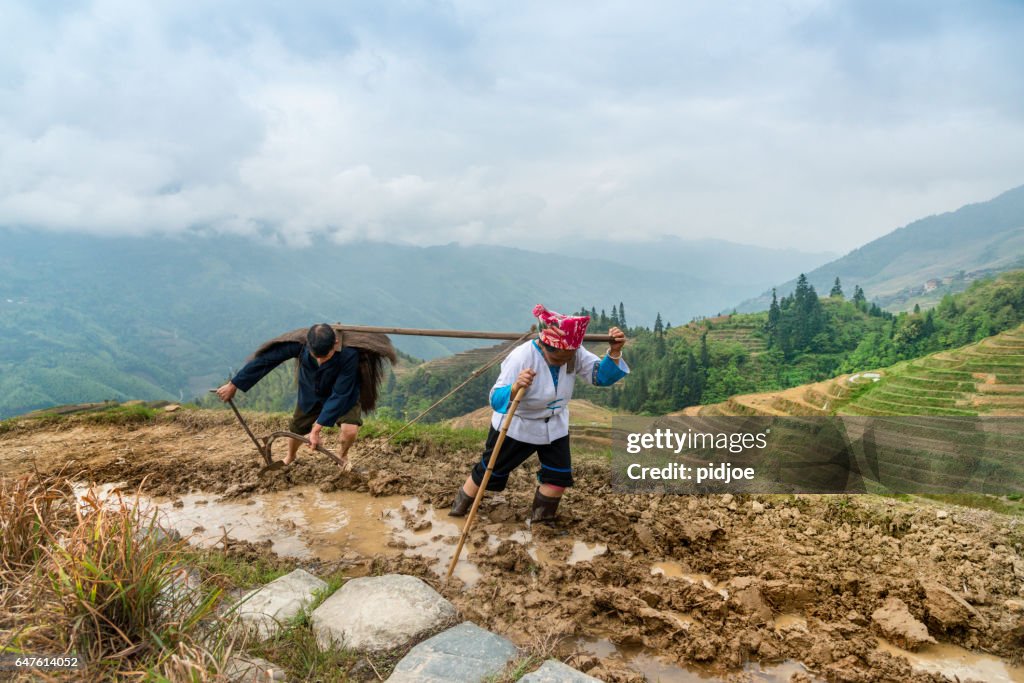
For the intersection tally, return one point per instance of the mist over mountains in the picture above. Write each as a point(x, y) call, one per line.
point(86, 318)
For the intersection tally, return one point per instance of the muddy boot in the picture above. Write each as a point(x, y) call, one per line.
point(544, 507)
point(461, 505)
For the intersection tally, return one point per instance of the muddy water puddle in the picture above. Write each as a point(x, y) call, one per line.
point(660, 670)
point(956, 663)
point(423, 534)
point(304, 522)
point(674, 570)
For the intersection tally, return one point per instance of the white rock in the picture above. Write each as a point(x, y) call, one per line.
point(266, 608)
point(378, 613)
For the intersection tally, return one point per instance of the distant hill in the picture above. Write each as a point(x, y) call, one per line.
point(711, 260)
point(920, 261)
point(87, 318)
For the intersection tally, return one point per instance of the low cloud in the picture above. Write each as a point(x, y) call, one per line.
point(811, 124)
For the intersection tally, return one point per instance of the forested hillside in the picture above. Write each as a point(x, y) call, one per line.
point(804, 338)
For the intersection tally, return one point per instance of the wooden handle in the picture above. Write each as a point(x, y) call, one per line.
point(483, 484)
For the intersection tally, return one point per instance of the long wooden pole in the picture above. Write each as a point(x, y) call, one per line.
point(476, 373)
point(483, 484)
point(460, 334)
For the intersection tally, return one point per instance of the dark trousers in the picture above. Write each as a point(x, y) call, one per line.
point(555, 461)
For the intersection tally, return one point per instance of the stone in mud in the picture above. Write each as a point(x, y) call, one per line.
point(463, 653)
point(266, 608)
point(785, 596)
point(384, 483)
point(378, 613)
point(699, 531)
point(895, 622)
point(947, 610)
point(746, 596)
point(644, 536)
point(553, 671)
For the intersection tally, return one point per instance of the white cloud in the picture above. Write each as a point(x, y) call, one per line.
point(818, 125)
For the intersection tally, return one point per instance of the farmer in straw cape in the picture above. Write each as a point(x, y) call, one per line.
point(548, 367)
point(337, 381)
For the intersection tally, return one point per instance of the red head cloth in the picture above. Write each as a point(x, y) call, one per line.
point(563, 331)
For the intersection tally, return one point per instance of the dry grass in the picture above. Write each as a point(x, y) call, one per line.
point(96, 577)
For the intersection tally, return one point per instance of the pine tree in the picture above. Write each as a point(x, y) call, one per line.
point(622, 316)
point(917, 309)
point(659, 327)
point(772, 326)
point(837, 290)
point(858, 297)
point(705, 355)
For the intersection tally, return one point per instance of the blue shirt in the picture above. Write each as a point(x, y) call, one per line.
point(335, 383)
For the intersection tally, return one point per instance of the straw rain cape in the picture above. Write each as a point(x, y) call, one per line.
point(374, 348)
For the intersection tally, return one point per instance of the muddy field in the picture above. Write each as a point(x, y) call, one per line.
point(744, 588)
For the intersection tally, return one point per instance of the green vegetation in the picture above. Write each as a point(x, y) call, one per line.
point(802, 339)
point(229, 571)
point(439, 435)
point(985, 377)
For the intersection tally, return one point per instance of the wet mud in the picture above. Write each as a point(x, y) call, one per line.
point(625, 587)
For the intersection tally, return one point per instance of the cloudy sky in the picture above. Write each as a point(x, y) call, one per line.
point(803, 123)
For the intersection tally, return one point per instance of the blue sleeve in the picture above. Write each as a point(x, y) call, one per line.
point(607, 372)
point(501, 397)
point(260, 366)
point(345, 392)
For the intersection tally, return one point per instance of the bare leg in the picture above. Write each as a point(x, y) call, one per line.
point(348, 435)
point(293, 448)
point(470, 488)
point(551, 491)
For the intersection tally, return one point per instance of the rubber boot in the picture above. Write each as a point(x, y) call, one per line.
point(461, 505)
point(544, 507)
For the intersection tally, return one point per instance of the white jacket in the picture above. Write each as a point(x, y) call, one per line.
point(543, 414)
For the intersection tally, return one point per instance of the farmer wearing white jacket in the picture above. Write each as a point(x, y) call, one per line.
point(548, 367)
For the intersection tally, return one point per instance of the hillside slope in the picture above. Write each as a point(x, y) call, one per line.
point(979, 239)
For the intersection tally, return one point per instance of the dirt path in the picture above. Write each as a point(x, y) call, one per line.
point(777, 578)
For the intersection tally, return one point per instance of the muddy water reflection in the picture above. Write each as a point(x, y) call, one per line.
point(423, 534)
point(301, 522)
point(659, 670)
point(674, 570)
point(952, 661)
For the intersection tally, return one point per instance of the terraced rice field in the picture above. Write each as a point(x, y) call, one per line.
point(985, 378)
point(727, 329)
